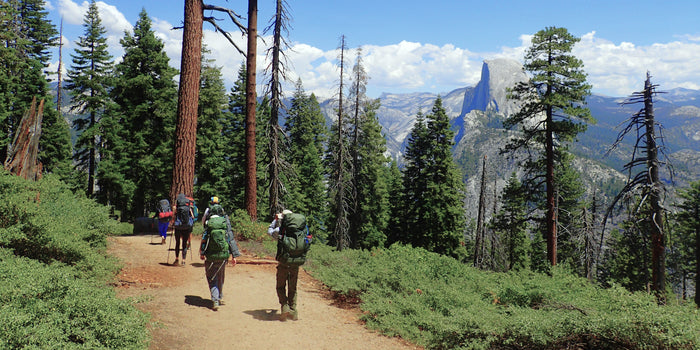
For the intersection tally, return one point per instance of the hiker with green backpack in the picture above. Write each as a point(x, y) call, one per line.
point(293, 242)
point(218, 243)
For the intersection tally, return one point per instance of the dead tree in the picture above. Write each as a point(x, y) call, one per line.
point(60, 68)
point(645, 156)
point(275, 134)
point(340, 230)
point(479, 245)
point(22, 157)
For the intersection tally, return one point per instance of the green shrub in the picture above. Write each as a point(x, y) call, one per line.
point(54, 272)
point(50, 307)
point(245, 229)
point(439, 303)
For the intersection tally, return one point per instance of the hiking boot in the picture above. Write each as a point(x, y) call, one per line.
point(215, 305)
point(294, 315)
point(162, 241)
point(176, 261)
point(286, 312)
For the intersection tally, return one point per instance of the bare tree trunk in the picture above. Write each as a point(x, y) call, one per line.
point(188, 101)
point(92, 160)
point(22, 157)
point(60, 68)
point(275, 183)
point(551, 219)
point(340, 230)
point(251, 187)
point(480, 244)
point(658, 240)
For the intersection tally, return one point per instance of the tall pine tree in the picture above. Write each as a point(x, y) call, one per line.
point(371, 215)
point(146, 94)
point(210, 159)
point(510, 225)
point(307, 134)
point(89, 83)
point(551, 115)
point(689, 224)
point(433, 189)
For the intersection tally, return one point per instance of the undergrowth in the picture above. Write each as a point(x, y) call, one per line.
point(54, 272)
point(440, 303)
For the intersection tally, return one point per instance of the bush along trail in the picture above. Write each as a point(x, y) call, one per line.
point(177, 299)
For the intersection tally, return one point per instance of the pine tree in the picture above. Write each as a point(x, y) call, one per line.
point(434, 192)
point(339, 164)
point(414, 179)
point(570, 205)
point(211, 164)
point(626, 260)
point(552, 113)
point(89, 82)
point(510, 225)
point(233, 140)
point(372, 189)
point(146, 95)
point(307, 134)
point(27, 38)
point(393, 231)
point(689, 231)
point(185, 141)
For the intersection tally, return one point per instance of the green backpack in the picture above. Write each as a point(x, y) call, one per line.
point(217, 245)
point(294, 243)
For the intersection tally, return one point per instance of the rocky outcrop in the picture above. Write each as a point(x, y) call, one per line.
point(490, 94)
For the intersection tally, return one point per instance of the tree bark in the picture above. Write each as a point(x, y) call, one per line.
point(251, 164)
point(188, 101)
point(479, 245)
point(275, 182)
point(551, 219)
point(658, 246)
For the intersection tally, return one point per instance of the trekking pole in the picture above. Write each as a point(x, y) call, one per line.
point(169, 245)
point(189, 247)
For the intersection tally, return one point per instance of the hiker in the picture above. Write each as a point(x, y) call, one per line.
point(184, 221)
point(293, 242)
point(214, 208)
point(164, 214)
point(218, 243)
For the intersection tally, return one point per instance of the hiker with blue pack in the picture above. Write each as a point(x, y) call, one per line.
point(218, 243)
point(293, 242)
point(164, 214)
point(184, 221)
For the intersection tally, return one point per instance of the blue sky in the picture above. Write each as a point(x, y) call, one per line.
point(437, 46)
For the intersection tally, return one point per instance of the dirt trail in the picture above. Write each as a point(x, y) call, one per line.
point(177, 297)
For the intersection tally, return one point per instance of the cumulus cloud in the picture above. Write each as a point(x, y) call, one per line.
point(615, 69)
point(620, 69)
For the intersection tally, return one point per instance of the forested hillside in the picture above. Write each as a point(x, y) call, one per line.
point(510, 177)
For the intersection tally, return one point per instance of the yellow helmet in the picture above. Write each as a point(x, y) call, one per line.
point(214, 200)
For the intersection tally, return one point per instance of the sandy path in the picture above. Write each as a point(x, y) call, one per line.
point(178, 300)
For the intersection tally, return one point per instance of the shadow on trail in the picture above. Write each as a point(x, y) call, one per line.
point(264, 314)
point(196, 300)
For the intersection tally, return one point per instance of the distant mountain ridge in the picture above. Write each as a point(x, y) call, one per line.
point(477, 113)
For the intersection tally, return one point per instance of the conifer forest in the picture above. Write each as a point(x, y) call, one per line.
point(120, 133)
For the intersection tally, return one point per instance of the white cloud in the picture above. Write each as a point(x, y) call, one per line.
point(620, 69)
point(616, 69)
